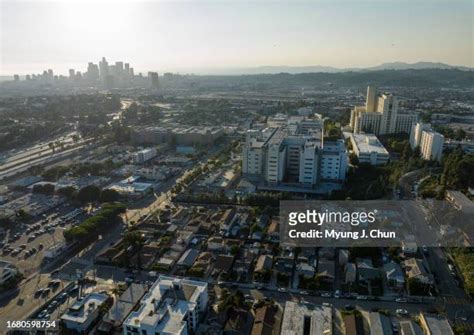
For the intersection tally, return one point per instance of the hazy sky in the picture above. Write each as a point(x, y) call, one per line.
point(206, 36)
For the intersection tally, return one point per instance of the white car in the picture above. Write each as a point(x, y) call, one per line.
point(326, 295)
point(401, 311)
point(361, 297)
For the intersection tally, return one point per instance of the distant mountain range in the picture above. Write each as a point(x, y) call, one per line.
point(313, 69)
point(330, 69)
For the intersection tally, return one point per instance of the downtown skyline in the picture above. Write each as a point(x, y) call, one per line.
point(205, 37)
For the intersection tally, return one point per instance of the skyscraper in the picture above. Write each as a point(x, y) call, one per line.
point(92, 72)
point(153, 76)
point(104, 68)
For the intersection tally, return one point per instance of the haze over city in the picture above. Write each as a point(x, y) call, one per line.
point(237, 167)
point(219, 37)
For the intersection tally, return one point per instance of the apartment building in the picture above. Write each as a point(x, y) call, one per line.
point(430, 142)
point(171, 306)
point(380, 115)
point(431, 145)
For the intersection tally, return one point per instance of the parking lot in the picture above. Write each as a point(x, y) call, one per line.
point(26, 244)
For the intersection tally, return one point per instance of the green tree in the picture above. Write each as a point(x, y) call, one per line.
point(109, 195)
point(88, 193)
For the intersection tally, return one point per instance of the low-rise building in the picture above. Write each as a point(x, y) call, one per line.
point(326, 271)
point(394, 275)
point(369, 149)
point(379, 324)
point(414, 268)
point(305, 270)
point(435, 325)
point(83, 314)
point(122, 306)
point(302, 319)
point(264, 263)
point(171, 306)
point(350, 271)
point(264, 321)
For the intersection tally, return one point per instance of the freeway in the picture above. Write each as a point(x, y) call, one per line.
point(17, 167)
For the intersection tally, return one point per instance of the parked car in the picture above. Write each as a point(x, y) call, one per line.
point(401, 311)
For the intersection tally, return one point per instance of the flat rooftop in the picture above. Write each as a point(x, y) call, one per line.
point(299, 319)
point(368, 143)
point(81, 310)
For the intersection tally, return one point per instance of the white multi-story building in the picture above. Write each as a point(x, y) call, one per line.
point(431, 145)
point(415, 133)
point(430, 142)
point(144, 155)
point(295, 153)
point(334, 161)
point(368, 149)
point(172, 306)
point(380, 115)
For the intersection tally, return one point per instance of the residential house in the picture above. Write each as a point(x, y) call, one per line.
point(326, 271)
point(394, 275)
point(414, 268)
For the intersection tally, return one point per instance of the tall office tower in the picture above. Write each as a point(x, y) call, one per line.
point(119, 67)
point(131, 72)
point(16, 77)
point(92, 72)
point(431, 145)
point(78, 75)
point(104, 68)
point(113, 71)
point(28, 77)
point(71, 73)
point(127, 69)
point(50, 73)
point(154, 81)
